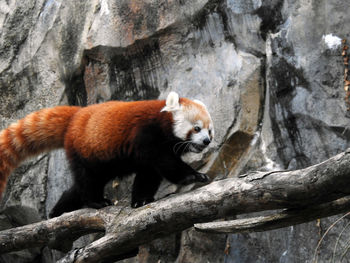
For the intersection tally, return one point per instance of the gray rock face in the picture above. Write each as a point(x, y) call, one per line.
point(270, 72)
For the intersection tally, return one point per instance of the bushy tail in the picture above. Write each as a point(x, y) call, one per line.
point(37, 132)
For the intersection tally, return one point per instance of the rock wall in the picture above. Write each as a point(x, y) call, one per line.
point(271, 73)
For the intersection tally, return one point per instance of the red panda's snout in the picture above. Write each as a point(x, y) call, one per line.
point(199, 139)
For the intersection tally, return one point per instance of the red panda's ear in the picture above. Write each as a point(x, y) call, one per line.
point(172, 102)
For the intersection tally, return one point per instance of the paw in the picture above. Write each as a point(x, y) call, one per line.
point(141, 202)
point(195, 178)
point(202, 178)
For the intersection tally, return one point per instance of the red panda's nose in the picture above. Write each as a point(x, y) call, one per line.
point(206, 141)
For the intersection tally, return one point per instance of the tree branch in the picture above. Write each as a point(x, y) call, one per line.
point(285, 218)
point(126, 228)
point(53, 232)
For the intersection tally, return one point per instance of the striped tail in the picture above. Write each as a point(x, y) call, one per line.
point(37, 132)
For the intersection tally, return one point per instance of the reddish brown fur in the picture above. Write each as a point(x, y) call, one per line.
point(39, 131)
point(110, 126)
point(95, 132)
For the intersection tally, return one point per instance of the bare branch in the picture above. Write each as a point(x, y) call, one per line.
point(285, 218)
point(53, 232)
point(126, 228)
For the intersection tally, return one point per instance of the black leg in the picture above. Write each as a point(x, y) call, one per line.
point(145, 186)
point(87, 189)
point(69, 201)
point(88, 193)
point(90, 185)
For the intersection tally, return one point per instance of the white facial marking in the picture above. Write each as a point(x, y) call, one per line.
point(181, 124)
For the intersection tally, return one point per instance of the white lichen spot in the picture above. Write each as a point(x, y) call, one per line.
point(332, 41)
point(245, 186)
point(255, 139)
point(104, 7)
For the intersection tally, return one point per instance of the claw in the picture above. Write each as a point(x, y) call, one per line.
point(194, 178)
point(202, 178)
point(141, 202)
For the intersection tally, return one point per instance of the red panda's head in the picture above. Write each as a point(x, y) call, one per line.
point(192, 121)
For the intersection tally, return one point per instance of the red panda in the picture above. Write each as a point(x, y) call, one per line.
point(112, 139)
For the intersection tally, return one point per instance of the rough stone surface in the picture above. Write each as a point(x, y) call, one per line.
point(272, 83)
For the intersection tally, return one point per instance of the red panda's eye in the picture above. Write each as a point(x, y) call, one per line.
point(197, 129)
